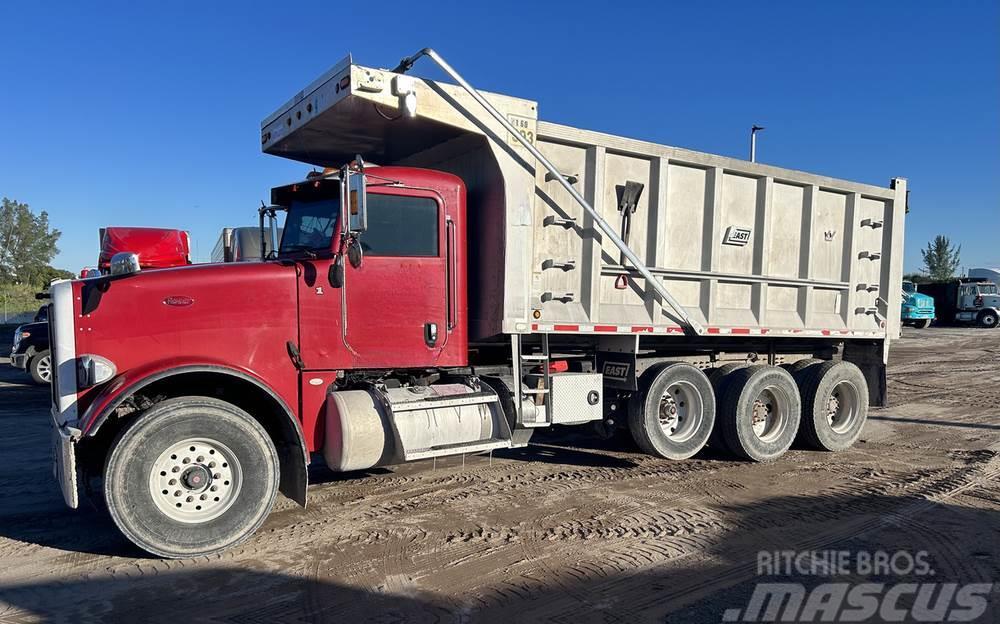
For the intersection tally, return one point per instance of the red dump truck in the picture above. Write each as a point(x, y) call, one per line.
point(491, 275)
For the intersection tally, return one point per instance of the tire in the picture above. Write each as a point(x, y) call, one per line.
point(800, 365)
point(216, 504)
point(673, 413)
point(720, 381)
point(40, 367)
point(988, 319)
point(768, 395)
point(922, 323)
point(834, 405)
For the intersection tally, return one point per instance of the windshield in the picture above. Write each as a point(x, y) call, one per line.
point(987, 289)
point(309, 226)
point(909, 288)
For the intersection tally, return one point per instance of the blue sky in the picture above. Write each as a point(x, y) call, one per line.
point(148, 113)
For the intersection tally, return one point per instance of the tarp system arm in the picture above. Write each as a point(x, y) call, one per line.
point(691, 325)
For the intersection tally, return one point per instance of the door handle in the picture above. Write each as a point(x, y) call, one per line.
point(430, 334)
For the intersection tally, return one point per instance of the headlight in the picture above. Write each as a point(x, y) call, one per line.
point(18, 337)
point(92, 370)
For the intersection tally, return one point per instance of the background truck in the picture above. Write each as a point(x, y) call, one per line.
point(493, 275)
point(157, 248)
point(965, 300)
point(918, 309)
point(241, 244)
point(154, 248)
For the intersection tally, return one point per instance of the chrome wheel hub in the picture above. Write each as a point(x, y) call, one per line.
point(680, 412)
point(195, 480)
point(767, 415)
point(842, 408)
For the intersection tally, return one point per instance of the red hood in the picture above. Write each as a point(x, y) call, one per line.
point(158, 248)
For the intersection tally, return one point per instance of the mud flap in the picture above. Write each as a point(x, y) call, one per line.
point(618, 370)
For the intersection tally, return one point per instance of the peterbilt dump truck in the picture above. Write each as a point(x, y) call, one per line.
point(461, 275)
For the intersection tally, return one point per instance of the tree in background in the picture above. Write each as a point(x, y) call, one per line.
point(916, 278)
point(941, 259)
point(27, 244)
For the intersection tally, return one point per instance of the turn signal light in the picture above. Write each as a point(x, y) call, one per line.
point(92, 370)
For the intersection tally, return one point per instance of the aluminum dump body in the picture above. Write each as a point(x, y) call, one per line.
point(745, 248)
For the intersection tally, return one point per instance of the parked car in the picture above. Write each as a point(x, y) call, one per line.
point(30, 351)
point(918, 309)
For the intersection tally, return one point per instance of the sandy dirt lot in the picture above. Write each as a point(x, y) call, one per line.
point(571, 529)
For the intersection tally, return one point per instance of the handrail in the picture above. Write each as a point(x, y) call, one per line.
point(691, 325)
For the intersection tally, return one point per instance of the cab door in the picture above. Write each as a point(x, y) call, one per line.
point(398, 301)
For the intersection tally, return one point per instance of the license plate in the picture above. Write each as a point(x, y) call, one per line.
point(64, 467)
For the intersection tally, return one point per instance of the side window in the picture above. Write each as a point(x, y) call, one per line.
point(401, 226)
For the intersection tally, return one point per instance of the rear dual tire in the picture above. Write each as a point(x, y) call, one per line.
point(834, 405)
point(759, 412)
point(673, 413)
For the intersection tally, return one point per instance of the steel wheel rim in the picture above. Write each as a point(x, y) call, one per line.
point(768, 414)
point(195, 480)
point(680, 412)
point(44, 368)
point(842, 407)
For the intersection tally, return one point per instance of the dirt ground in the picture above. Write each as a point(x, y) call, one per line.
point(570, 529)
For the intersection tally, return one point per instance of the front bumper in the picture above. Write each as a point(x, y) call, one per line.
point(64, 460)
point(19, 360)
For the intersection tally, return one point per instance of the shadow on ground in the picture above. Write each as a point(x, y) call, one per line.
point(962, 544)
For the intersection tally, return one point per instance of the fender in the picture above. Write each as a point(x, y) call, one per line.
point(119, 389)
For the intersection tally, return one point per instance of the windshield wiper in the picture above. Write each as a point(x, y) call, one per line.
point(303, 248)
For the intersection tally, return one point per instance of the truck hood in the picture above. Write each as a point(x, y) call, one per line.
point(238, 315)
point(918, 300)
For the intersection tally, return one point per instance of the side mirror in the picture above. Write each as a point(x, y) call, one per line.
point(125, 263)
point(335, 275)
point(355, 255)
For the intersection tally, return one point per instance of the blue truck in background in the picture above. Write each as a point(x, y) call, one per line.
point(918, 309)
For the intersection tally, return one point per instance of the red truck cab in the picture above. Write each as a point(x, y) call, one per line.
point(268, 339)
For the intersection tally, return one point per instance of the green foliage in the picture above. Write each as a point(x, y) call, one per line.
point(916, 278)
point(941, 258)
point(27, 244)
point(17, 299)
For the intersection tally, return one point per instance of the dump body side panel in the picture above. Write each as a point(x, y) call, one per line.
point(742, 246)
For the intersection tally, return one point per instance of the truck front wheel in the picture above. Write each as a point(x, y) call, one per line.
point(673, 413)
point(191, 476)
point(922, 323)
point(988, 319)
